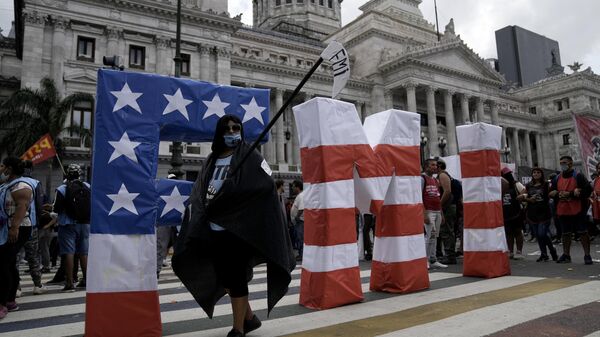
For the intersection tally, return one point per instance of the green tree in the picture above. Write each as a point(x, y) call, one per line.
point(29, 114)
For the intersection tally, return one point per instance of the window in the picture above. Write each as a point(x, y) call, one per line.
point(79, 125)
point(300, 1)
point(298, 62)
point(288, 1)
point(137, 57)
point(559, 106)
point(321, 2)
point(85, 48)
point(277, 2)
point(566, 139)
point(330, 3)
point(532, 110)
point(244, 50)
point(283, 59)
point(185, 64)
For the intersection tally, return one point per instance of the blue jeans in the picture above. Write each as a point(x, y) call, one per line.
point(73, 238)
point(299, 228)
point(543, 236)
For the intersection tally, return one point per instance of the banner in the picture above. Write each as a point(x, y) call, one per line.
point(41, 151)
point(338, 56)
point(588, 132)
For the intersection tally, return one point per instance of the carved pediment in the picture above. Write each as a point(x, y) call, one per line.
point(86, 76)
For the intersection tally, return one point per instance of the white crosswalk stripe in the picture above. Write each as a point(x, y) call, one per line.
point(58, 314)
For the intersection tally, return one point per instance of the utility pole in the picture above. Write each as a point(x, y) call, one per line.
point(176, 158)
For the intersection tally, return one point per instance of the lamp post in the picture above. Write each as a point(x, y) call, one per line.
point(506, 151)
point(423, 144)
point(442, 142)
point(176, 149)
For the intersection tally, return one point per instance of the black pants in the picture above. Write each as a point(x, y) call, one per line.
point(9, 274)
point(231, 260)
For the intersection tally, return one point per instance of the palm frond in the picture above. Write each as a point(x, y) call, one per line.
point(49, 91)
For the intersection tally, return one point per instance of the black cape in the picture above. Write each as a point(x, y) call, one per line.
point(247, 205)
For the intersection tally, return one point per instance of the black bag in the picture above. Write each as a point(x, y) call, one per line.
point(456, 189)
point(78, 201)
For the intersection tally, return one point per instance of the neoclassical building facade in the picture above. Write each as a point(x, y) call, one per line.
point(397, 61)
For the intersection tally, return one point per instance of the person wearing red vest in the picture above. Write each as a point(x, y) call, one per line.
point(433, 211)
point(568, 189)
point(595, 197)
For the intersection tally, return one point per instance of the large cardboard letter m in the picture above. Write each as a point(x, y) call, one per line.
point(344, 167)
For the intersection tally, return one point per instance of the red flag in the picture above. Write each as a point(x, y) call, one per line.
point(588, 132)
point(41, 151)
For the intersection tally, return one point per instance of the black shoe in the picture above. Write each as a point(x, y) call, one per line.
point(449, 260)
point(81, 284)
point(542, 258)
point(588, 259)
point(368, 257)
point(68, 289)
point(252, 324)
point(553, 254)
point(46, 270)
point(235, 333)
point(564, 259)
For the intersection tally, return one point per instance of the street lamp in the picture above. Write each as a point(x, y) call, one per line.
point(176, 159)
point(505, 151)
point(442, 142)
point(423, 144)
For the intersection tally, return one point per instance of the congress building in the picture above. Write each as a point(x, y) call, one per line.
point(396, 57)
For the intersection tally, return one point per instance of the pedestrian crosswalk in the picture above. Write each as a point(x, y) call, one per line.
point(453, 306)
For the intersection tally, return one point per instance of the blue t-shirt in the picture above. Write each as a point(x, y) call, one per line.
point(219, 175)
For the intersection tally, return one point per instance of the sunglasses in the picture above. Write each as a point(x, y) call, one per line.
point(233, 128)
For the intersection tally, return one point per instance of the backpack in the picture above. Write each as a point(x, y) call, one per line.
point(457, 192)
point(78, 201)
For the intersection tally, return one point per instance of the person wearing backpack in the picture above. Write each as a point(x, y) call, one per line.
point(572, 189)
point(72, 204)
point(448, 226)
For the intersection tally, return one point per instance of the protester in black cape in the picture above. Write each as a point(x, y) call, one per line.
point(538, 212)
point(233, 228)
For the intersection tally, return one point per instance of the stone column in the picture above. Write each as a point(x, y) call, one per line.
point(361, 111)
point(503, 140)
point(557, 145)
point(389, 99)
point(450, 124)
point(464, 106)
point(112, 45)
point(295, 141)
point(33, 35)
point(528, 148)
point(224, 65)
point(480, 112)
point(58, 52)
point(163, 44)
point(411, 96)
point(515, 148)
point(432, 131)
point(538, 149)
point(494, 112)
point(279, 137)
point(204, 52)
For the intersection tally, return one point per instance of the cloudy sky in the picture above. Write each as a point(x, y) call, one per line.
point(574, 24)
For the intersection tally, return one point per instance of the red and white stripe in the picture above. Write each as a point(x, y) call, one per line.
point(399, 260)
point(122, 269)
point(332, 142)
point(485, 249)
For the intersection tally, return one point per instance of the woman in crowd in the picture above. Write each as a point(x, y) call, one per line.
point(16, 196)
point(234, 224)
point(595, 197)
point(513, 220)
point(538, 213)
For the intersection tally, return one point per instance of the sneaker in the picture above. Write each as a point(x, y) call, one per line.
point(12, 306)
point(542, 258)
point(68, 289)
point(437, 264)
point(588, 259)
point(252, 324)
point(81, 284)
point(564, 259)
point(19, 293)
point(39, 290)
point(449, 260)
point(235, 333)
point(518, 256)
point(3, 311)
point(553, 254)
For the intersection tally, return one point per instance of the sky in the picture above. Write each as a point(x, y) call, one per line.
point(574, 23)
